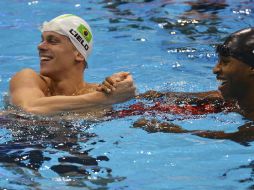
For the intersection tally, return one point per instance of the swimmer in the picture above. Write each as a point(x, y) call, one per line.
point(59, 87)
point(235, 71)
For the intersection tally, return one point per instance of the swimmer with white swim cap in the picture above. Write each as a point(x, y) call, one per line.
point(75, 28)
point(66, 44)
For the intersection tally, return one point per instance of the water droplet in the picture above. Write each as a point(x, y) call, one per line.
point(176, 65)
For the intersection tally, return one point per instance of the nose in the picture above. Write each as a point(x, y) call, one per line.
point(217, 68)
point(42, 45)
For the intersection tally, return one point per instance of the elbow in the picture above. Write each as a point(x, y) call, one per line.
point(36, 110)
point(31, 110)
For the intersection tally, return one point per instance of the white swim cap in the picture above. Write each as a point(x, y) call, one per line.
point(75, 28)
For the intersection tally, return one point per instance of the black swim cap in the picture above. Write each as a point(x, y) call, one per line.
point(239, 45)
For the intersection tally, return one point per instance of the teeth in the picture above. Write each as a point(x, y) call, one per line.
point(222, 81)
point(45, 58)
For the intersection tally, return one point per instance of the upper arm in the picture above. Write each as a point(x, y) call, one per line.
point(26, 86)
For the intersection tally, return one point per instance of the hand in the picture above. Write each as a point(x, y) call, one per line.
point(124, 88)
point(154, 125)
point(110, 83)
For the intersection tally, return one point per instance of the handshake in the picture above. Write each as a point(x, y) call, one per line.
point(119, 86)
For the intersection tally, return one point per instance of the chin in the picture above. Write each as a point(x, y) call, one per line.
point(44, 72)
point(226, 94)
point(231, 95)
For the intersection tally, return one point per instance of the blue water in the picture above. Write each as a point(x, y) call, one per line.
point(168, 46)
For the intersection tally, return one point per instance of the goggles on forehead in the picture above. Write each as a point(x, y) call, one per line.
point(242, 55)
point(223, 50)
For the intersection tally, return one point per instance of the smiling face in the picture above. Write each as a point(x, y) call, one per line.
point(57, 54)
point(235, 77)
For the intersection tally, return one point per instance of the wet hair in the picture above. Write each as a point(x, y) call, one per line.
point(239, 45)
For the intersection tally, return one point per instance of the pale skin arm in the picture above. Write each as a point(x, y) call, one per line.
point(27, 90)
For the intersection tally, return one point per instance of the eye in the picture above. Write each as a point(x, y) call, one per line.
point(53, 40)
point(225, 60)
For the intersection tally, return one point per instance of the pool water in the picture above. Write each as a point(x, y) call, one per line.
point(167, 45)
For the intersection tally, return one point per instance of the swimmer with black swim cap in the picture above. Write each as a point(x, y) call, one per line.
point(239, 45)
point(235, 69)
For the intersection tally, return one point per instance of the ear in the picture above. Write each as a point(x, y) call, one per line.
point(79, 57)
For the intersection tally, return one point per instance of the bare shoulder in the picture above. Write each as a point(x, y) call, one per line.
point(25, 75)
point(26, 71)
point(27, 78)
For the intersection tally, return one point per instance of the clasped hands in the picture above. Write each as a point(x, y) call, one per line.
point(119, 85)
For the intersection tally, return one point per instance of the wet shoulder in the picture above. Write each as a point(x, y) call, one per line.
point(28, 78)
point(24, 73)
point(27, 75)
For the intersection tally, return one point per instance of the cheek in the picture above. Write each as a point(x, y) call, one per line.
point(234, 74)
point(65, 56)
point(239, 85)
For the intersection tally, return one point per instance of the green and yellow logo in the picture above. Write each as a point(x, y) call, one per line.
point(85, 32)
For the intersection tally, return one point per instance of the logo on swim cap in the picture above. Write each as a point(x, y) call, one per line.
point(76, 35)
point(85, 32)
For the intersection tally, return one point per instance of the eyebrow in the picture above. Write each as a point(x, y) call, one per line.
point(50, 36)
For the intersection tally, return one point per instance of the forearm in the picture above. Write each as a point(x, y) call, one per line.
point(183, 96)
point(29, 92)
point(58, 104)
point(197, 95)
point(212, 134)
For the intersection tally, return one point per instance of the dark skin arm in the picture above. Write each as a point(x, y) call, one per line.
point(244, 134)
point(214, 98)
point(187, 97)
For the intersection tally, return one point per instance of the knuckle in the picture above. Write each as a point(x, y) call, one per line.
point(107, 78)
point(107, 84)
